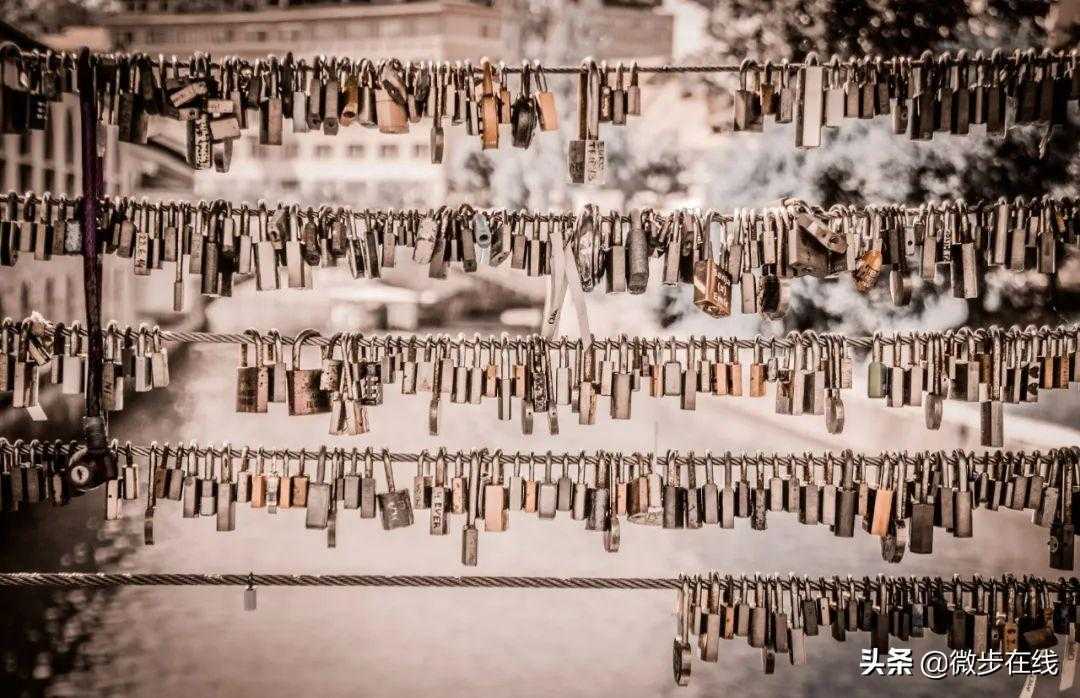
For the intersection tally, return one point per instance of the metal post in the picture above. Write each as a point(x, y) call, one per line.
point(93, 464)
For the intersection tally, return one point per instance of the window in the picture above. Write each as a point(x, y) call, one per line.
point(25, 144)
point(324, 152)
point(50, 179)
point(117, 295)
point(388, 151)
point(70, 186)
point(25, 307)
point(69, 136)
point(420, 151)
point(159, 36)
point(327, 190)
point(290, 184)
point(47, 142)
point(390, 193)
point(395, 27)
point(330, 31)
point(363, 29)
point(70, 298)
point(26, 177)
point(220, 34)
point(50, 297)
point(357, 151)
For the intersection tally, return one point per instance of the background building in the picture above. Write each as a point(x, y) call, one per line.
point(414, 642)
point(360, 166)
point(49, 161)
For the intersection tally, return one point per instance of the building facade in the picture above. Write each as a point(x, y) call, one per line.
point(360, 166)
point(50, 161)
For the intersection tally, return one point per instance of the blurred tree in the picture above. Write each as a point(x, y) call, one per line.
point(861, 163)
point(562, 32)
point(37, 17)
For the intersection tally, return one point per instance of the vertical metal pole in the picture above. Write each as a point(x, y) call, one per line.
point(92, 465)
point(91, 191)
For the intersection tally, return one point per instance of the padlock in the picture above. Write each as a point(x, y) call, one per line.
point(395, 507)
point(809, 105)
point(496, 499)
point(712, 288)
point(271, 116)
point(302, 385)
point(252, 378)
point(747, 114)
point(226, 491)
point(547, 111)
point(319, 495)
point(390, 112)
point(588, 155)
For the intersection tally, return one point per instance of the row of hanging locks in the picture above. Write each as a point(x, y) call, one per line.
point(947, 93)
point(982, 619)
point(898, 497)
point(757, 249)
point(534, 376)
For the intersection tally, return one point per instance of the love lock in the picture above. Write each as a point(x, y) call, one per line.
point(94, 463)
point(302, 384)
point(394, 505)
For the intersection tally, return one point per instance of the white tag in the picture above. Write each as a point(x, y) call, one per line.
point(577, 296)
point(564, 275)
point(556, 294)
point(1068, 667)
point(102, 139)
point(1029, 686)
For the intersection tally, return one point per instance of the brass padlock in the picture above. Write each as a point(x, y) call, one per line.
point(488, 108)
point(747, 114)
point(712, 288)
point(546, 110)
point(390, 113)
point(496, 499)
point(633, 92)
point(302, 384)
point(588, 155)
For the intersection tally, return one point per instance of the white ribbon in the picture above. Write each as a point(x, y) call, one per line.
point(564, 275)
point(1068, 665)
point(1029, 686)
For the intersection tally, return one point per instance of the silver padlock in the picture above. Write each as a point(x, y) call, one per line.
point(481, 231)
point(226, 493)
point(319, 495)
point(395, 506)
point(470, 535)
